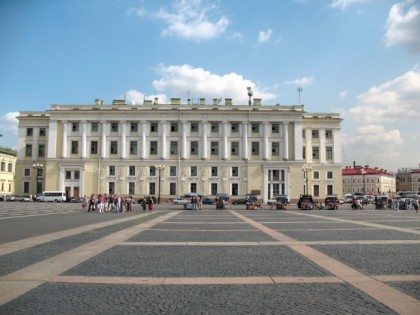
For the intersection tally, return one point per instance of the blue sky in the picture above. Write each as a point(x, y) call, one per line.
point(360, 58)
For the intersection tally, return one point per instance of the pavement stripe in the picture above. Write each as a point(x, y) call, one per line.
point(397, 278)
point(392, 298)
point(21, 281)
point(15, 246)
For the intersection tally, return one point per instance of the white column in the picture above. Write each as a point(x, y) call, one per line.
point(163, 144)
point(103, 139)
point(225, 149)
point(322, 149)
point(143, 144)
point(64, 140)
point(123, 153)
point(286, 140)
point(298, 141)
point(204, 145)
point(245, 141)
point(337, 145)
point(84, 144)
point(265, 140)
point(52, 140)
point(183, 140)
point(308, 135)
point(35, 144)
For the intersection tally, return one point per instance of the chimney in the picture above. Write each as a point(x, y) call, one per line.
point(202, 101)
point(156, 100)
point(97, 101)
point(354, 164)
point(214, 101)
point(228, 101)
point(257, 102)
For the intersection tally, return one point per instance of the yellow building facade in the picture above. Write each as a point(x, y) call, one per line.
point(172, 149)
point(7, 171)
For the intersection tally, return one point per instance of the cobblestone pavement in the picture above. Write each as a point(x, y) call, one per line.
point(175, 261)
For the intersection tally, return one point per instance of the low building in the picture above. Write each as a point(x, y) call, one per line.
point(367, 180)
point(172, 149)
point(7, 171)
point(408, 180)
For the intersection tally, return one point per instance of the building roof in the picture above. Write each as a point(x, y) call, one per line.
point(8, 151)
point(359, 170)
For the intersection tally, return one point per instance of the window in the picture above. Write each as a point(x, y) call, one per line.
point(315, 152)
point(133, 147)
point(328, 134)
point(152, 188)
point(94, 127)
point(316, 174)
point(193, 171)
point(3, 167)
point(153, 147)
point(111, 170)
point(255, 148)
point(316, 190)
point(27, 172)
point(111, 188)
point(26, 187)
point(75, 127)
point(330, 190)
point(255, 128)
point(42, 132)
point(114, 147)
point(194, 147)
point(174, 147)
point(194, 127)
point(304, 152)
point(275, 128)
point(234, 127)
point(172, 171)
point(213, 188)
point(114, 127)
point(235, 189)
point(152, 171)
point(193, 187)
point(10, 167)
point(329, 153)
point(134, 127)
point(94, 147)
point(275, 148)
point(214, 148)
point(234, 148)
point(29, 132)
point(74, 147)
point(154, 127)
point(315, 134)
point(303, 134)
point(172, 189)
point(330, 175)
point(131, 188)
point(28, 150)
point(174, 127)
point(76, 174)
point(235, 171)
point(214, 171)
point(214, 127)
point(68, 174)
point(131, 171)
point(41, 150)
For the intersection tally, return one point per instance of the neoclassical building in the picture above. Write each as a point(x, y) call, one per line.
point(172, 149)
point(7, 171)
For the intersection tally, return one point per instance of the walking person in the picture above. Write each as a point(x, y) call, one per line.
point(150, 203)
point(144, 204)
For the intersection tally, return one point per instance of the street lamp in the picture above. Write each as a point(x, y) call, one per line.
point(306, 169)
point(37, 167)
point(363, 172)
point(159, 168)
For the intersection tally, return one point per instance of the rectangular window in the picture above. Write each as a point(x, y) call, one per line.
point(213, 188)
point(94, 127)
point(114, 147)
point(74, 147)
point(316, 190)
point(330, 175)
point(255, 148)
point(153, 147)
point(214, 127)
point(194, 147)
point(193, 187)
point(304, 152)
point(316, 174)
point(152, 188)
point(75, 127)
point(154, 127)
point(234, 148)
point(174, 147)
point(315, 153)
point(328, 134)
point(172, 189)
point(41, 150)
point(214, 148)
point(330, 190)
point(133, 147)
point(28, 150)
point(275, 128)
point(10, 167)
point(114, 127)
point(131, 188)
point(214, 171)
point(68, 174)
point(111, 188)
point(193, 171)
point(174, 127)
point(131, 171)
point(235, 171)
point(172, 171)
point(42, 132)
point(29, 132)
point(303, 134)
point(3, 167)
point(329, 153)
point(76, 174)
point(315, 134)
point(111, 170)
point(94, 147)
point(235, 189)
point(234, 127)
point(275, 148)
point(194, 127)
point(26, 187)
point(152, 171)
point(134, 127)
point(27, 172)
point(255, 128)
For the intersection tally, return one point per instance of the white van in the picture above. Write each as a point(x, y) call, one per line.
point(53, 196)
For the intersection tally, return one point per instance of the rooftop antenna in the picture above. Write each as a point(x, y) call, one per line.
point(300, 90)
point(250, 93)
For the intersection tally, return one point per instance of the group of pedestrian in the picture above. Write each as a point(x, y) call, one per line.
point(147, 203)
point(104, 203)
point(196, 203)
point(406, 204)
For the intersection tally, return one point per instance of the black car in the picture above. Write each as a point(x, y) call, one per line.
point(239, 202)
point(207, 201)
point(306, 202)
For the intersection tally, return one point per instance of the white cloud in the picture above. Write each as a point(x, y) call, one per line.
point(343, 94)
point(192, 19)
point(343, 4)
point(394, 100)
point(9, 122)
point(404, 27)
point(264, 36)
point(302, 81)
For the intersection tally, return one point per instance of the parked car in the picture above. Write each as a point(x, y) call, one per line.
point(72, 199)
point(239, 201)
point(207, 201)
point(306, 202)
point(222, 196)
point(331, 202)
point(272, 201)
point(180, 201)
point(23, 198)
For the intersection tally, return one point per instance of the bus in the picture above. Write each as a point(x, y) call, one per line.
point(53, 196)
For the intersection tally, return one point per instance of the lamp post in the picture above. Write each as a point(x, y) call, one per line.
point(37, 167)
point(363, 172)
point(306, 169)
point(159, 168)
